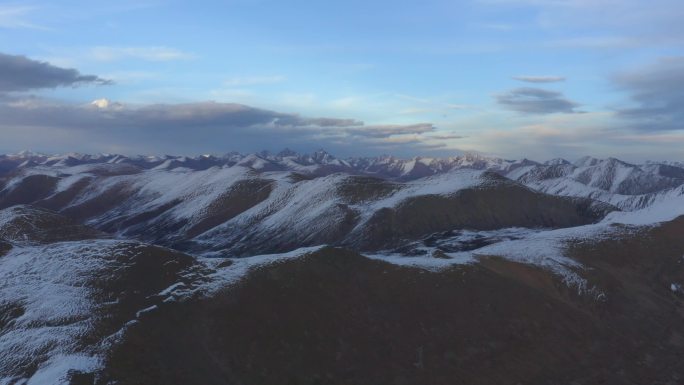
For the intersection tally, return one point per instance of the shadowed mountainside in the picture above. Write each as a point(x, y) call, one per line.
point(335, 317)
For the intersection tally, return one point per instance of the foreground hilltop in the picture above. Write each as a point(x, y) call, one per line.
point(80, 309)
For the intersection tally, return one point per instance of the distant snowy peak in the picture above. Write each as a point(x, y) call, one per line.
point(556, 162)
point(610, 175)
point(106, 104)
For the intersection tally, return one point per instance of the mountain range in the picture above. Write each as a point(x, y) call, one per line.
point(309, 269)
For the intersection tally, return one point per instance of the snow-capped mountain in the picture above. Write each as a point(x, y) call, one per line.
point(610, 180)
point(255, 203)
point(317, 163)
point(625, 185)
point(610, 174)
point(254, 268)
point(81, 309)
point(256, 206)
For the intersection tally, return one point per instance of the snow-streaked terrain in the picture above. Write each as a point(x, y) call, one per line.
point(237, 205)
point(48, 285)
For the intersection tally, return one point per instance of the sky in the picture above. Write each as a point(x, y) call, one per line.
point(534, 79)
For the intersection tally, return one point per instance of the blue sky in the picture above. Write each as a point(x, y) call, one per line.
point(515, 78)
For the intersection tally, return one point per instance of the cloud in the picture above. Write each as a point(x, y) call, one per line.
point(539, 78)
point(242, 81)
point(296, 120)
point(447, 137)
point(572, 136)
point(19, 73)
point(384, 131)
point(603, 24)
point(655, 93)
point(152, 53)
point(14, 17)
point(604, 42)
point(198, 127)
point(535, 101)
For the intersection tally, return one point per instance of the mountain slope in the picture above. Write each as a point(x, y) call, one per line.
point(342, 318)
point(65, 297)
point(239, 211)
point(610, 180)
point(78, 310)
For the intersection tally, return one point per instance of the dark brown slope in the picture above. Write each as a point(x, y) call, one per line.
point(30, 189)
point(132, 275)
point(505, 204)
point(38, 225)
point(335, 317)
point(497, 203)
point(135, 274)
point(119, 206)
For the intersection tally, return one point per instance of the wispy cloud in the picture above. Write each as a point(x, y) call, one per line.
point(241, 81)
point(600, 42)
point(572, 136)
point(539, 78)
point(131, 77)
point(447, 136)
point(384, 131)
point(17, 16)
point(602, 24)
point(655, 93)
point(148, 53)
point(535, 101)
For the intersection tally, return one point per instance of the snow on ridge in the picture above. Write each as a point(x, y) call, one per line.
point(441, 184)
point(664, 207)
point(56, 369)
point(49, 285)
point(18, 221)
point(221, 278)
point(295, 161)
point(196, 190)
point(547, 249)
point(428, 263)
point(295, 207)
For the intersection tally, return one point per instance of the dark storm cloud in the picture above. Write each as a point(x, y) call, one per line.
point(535, 101)
point(656, 93)
point(19, 73)
point(539, 79)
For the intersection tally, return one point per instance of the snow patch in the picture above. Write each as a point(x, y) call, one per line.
point(57, 369)
point(223, 277)
point(47, 286)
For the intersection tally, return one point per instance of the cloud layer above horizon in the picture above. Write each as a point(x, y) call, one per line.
point(516, 78)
